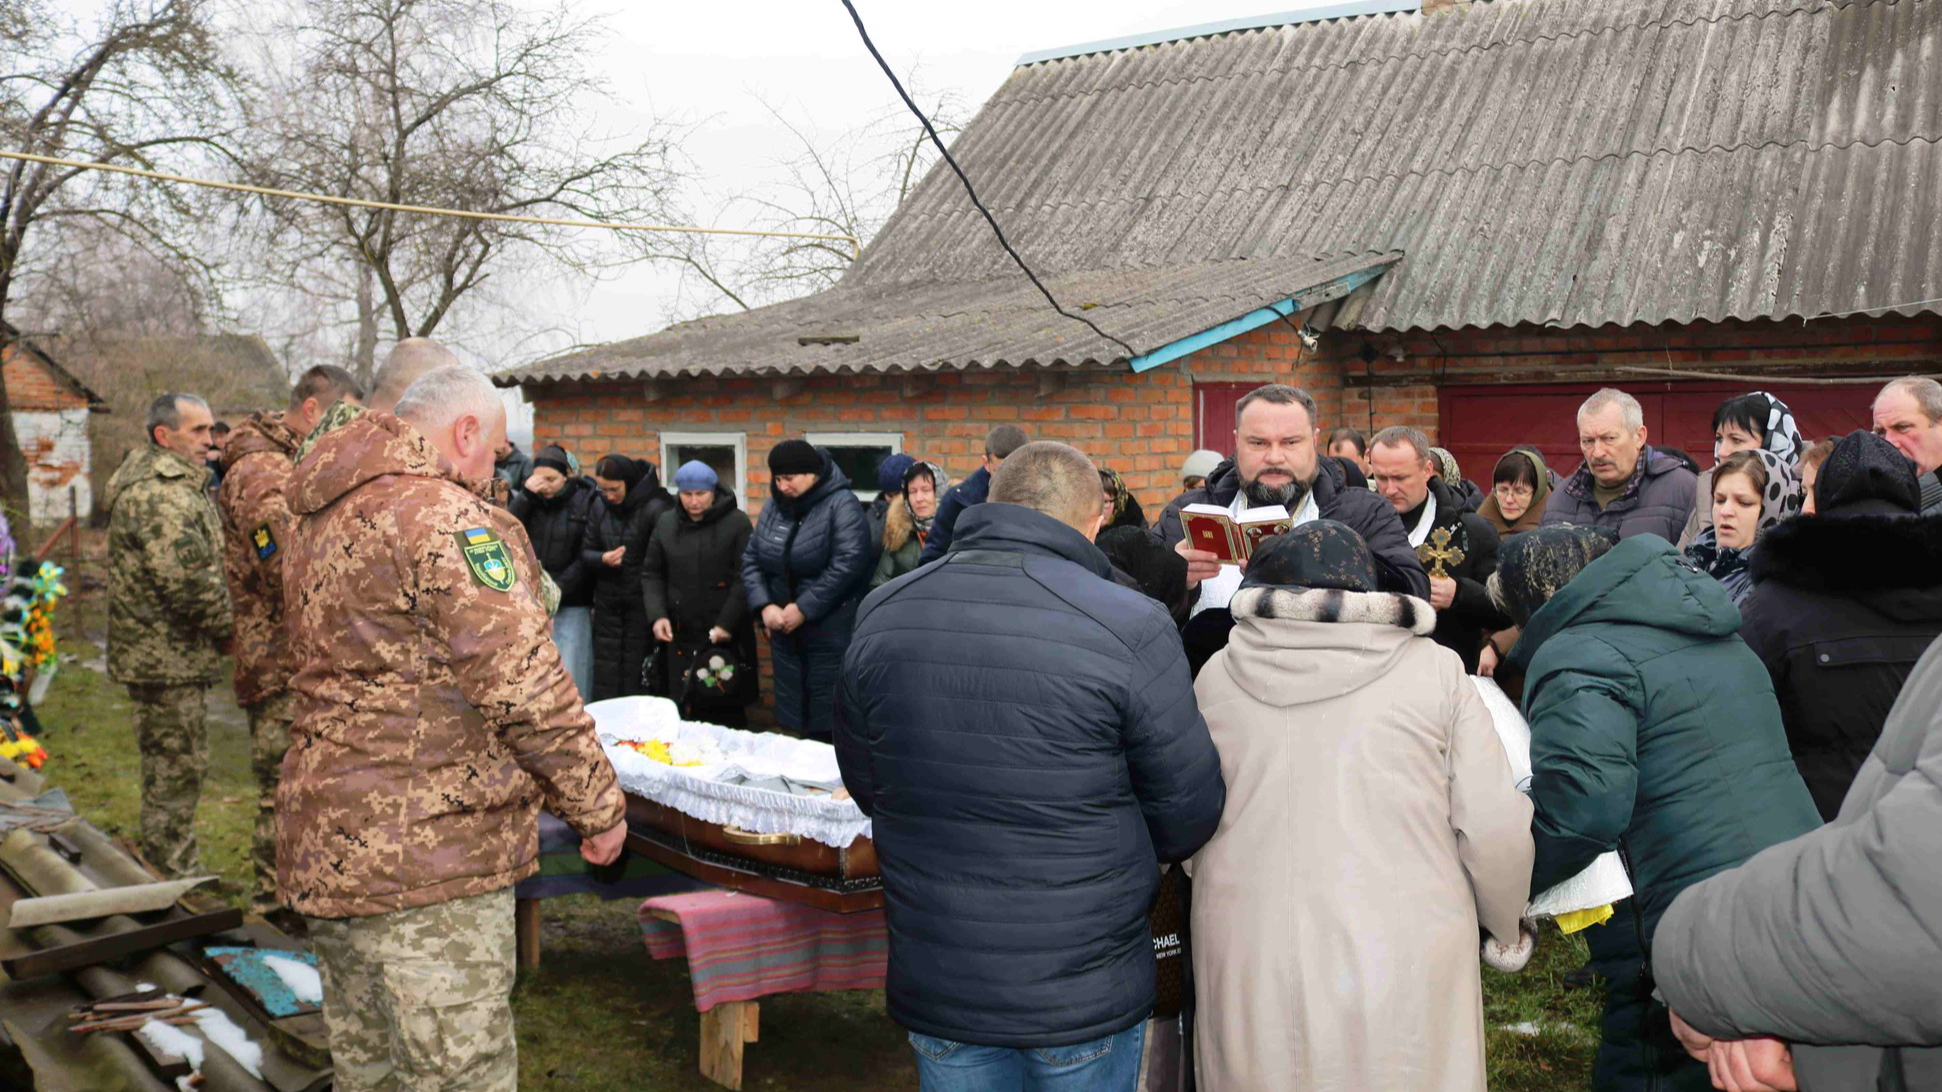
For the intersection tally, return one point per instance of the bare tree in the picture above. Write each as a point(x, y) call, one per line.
point(463, 104)
point(846, 185)
point(146, 77)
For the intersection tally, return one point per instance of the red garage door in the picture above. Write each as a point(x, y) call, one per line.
point(1479, 424)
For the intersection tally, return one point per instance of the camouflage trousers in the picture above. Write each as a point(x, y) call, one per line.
point(170, 732)
point(421, 1000)
point(269, 735)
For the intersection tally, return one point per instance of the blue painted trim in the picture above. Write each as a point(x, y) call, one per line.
point(1253, 320)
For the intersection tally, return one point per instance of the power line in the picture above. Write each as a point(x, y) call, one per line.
point(856, 247)
point(968, 189)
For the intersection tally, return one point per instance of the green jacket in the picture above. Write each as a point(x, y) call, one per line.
point(168, 603)
point(1654, 729)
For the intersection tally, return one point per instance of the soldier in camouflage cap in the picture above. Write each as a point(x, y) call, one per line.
point(168, 616)
point(433, 719)
point(257, 526)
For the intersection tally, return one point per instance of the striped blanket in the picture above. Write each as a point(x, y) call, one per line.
point(740, 947)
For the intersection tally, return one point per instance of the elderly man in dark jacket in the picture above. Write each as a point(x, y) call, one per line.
point(1625, 488)
point(1844, 603)
point(807, 565)
point(1023, 732)
point(1828, 941)
point(971, 492)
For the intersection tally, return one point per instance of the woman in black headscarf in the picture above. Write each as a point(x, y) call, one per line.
point(614, 547)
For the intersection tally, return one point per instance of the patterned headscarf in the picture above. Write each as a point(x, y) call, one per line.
point(1446, 467)
point(940, 480)
point(1780, 500)
point(1783, 436)
point(1118, 484)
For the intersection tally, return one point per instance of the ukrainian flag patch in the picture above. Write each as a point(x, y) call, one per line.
point(485, 554)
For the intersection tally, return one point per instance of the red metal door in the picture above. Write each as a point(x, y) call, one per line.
point(1479, 424)
point(1214, 414)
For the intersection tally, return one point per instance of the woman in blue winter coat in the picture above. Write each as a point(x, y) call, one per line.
point(806, 567)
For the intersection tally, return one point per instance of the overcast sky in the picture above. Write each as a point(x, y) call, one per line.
point(714, 64)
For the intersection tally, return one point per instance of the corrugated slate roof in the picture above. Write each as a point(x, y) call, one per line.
point(1570, 162)
point(993, 323)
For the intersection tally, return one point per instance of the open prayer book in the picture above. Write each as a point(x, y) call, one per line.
point(1584, 899)
point(1217, 530)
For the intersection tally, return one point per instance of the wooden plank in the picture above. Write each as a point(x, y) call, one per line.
point(754, 884)
point(721, 1043)
point(525, 916)
point(751, 1021)
point(87, 953)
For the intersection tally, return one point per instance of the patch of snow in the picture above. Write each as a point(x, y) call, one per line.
point(1527, 1029)
point(167, 1039)
point(233, 1040)
point(304, 983)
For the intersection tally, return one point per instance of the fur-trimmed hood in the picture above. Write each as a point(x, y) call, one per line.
point(1888, 561)
point(1294, 646)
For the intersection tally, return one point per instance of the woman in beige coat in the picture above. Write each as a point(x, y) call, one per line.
point(1371, 826)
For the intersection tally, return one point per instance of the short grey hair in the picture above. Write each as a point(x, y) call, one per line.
point(166, 411)
point(1050, 477)
point(1000, 442)
point(443, 395)
point(1281, 394)
point(1926, 392)
point(410, 360)
point(1630, 411)
point(1404, 436)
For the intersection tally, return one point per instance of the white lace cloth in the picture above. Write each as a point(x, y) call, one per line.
point(1605, 881)
point(697, 790)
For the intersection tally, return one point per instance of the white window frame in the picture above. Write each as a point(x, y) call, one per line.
point(736, 440)
point(892, 440)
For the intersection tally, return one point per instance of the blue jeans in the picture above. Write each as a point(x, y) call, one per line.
point(573, 633)
point(1111, 1064)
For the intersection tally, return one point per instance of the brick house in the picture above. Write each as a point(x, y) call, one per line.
point(1477, 214)
point(50, 410)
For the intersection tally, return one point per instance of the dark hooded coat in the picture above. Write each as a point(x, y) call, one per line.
point(692, 576)
point(621, 631)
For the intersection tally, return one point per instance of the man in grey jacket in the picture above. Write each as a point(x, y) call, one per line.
point(1625, 487)
point(1815, 964)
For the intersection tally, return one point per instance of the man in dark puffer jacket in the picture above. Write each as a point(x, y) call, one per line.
point(1024, 733)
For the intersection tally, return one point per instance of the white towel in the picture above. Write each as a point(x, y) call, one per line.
point(1605, 881)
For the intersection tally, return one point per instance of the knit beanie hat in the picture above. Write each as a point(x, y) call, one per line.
point(1868, 471)
point(1318, 554)
point(554, 457)
point(795, 457)
point(1533, 566)
point(695, 476)
point(890, 474)
point(1201, 464)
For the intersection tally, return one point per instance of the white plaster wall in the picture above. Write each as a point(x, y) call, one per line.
point(58, 455)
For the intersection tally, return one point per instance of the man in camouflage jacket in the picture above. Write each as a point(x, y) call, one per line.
point(257, 526)
point(433, 719)
point(168, 616)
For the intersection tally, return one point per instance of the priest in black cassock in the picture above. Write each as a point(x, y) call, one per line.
point(1458, 548)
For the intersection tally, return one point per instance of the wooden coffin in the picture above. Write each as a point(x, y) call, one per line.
point(777, 866)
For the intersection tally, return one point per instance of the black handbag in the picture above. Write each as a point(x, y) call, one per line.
point(654, 673)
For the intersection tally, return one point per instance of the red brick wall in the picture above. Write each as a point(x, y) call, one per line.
point(30, 386)
point(1139, 425)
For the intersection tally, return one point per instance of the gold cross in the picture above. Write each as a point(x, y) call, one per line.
point(1438, 552)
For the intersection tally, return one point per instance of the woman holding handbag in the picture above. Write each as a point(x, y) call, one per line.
point(691, 580)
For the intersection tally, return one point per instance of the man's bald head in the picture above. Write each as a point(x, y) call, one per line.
point(410, 359)
point(1053, 478)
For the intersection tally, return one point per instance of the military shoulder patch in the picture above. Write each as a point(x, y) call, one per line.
point(486, 555)
point(264, 542)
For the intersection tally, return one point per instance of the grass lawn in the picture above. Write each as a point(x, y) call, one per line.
point(599, 1016)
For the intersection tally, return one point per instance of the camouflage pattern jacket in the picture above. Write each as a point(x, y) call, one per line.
point(433, 717)
point(168, 606)
point(257, 525)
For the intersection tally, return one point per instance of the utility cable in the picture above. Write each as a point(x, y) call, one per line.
point(969, 189)
point(856, 247)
